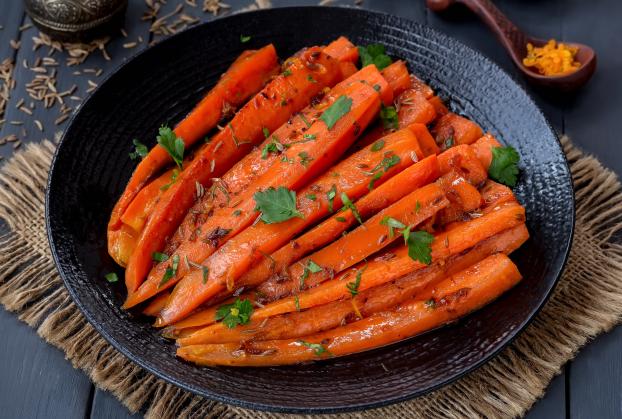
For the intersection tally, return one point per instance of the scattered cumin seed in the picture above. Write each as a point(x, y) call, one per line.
point(130, 45)
point(61, 119)
point(39, 125)
point(16, 123)
point(15, 44)
point(124, 33)
point(17, 144)
point(19, 103)
point(25, 110)
point(25, 26)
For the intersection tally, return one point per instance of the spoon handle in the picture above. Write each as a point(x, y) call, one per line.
point(512, 38)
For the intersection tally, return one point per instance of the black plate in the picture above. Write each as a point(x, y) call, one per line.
point(161, 84)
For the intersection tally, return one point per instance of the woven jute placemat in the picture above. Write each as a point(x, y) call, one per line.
point(587, 301)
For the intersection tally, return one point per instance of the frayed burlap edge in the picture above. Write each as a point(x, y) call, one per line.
point(587, 301)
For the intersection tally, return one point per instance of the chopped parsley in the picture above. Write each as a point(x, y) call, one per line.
point(318, 349)
point(305, 120)
point(273, 147)
point(330, 195)
point(236, 313)
point(418, 243)
point(341, 219)
point(245, 38)
point(266, 132)
point(382, 168)
point(173, 144)
point(311, 196)
point(309, 136)
point(237, 213)
point(173, 179)
point(377, 146)
point(140, 150)
point(374, 54)
point(171, 271)
point(277, 205)
point(111, 277)
point(417, 207)
point(504, 165)
point(297, 303)
point(347, 203)
point(287, 72)
point(392, 223)
point(336, 111)
point(305, 159)
point(310, 268)
point(388, 115)
point(430, 304)
point(311, 79)
point(353, 287)
point(159, 257)
point(204, 269)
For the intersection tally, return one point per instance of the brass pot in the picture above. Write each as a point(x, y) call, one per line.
point(72, 20)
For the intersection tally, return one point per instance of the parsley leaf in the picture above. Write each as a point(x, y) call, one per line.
point(418, 243)
point(374, 54)
point(381, 169)
point(235, 313)
point(347, 203)
point(311, 196)
point(377, 146)
point(330, 195)
point(430, 304)
point(159, 257)
point(173, 179)
point(171, 271)
point(297, 303)
point(353, 287)
point(305, 159)
point(310, 268)
point(173, 144)
point(266, 132)
point(388, 115)
point(269, 148)
point(286, 73)
point(341, 219)
point(391, 223)
point(111, 277)
point(277, 205)
point(318, 348)
point(245, 38)
point(338, 109)
point(140, 150)
point(504, 165)
point(237, 213)
point(311, 79)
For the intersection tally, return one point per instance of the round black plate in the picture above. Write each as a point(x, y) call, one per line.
point(161, 84)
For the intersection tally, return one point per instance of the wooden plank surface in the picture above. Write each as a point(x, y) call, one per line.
point(35, 380)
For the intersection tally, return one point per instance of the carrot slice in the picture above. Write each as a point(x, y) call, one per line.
point(421, 86)
point(428, 145)
point(287, 93)
point(386, 194)
point(439, 105)
point(397, 76)
point(483, 149)
point(454, 297)
point(414, 108)
point(383, 297)
point(462, 159)
point(244, 78)
point(343, 49)
point(227, 221)
point(452, 129)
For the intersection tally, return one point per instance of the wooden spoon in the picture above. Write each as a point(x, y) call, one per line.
point(515, 42)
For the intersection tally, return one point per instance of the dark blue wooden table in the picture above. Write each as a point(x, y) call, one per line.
point(36, 380)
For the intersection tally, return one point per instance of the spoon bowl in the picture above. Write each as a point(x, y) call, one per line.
point(515, 42)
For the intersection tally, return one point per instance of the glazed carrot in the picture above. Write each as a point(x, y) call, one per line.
point(462, 159)
point(396, 74)
point(428, 145)
point(460, 237)
point(156, 305)
point(287, 93)
point(328, 316)
point(463, 196)
point(141, 206)
point(244, 78)
point(392, 190)
point(414, 108)
point(368, 238)
point(494, 193)
point(422, 87)
point(452, 129)
point(343, 49)
point(439, 105)
point(454, 297)
point(483, 149)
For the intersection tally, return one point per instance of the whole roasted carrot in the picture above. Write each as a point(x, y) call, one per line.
point(462, 236)
point(244, 78)
point(365, 303)
point(323, 147)
point(287, 93)
point(414, 108)
point(368, 238)
point(453, 129)
point(454, 297)
point(419, 174)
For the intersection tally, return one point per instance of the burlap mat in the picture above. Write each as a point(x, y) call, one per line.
point(587, 301)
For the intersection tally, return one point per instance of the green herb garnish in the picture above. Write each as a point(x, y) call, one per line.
point(171, 271)
point(377, 146)
point(277, 205)
point(336, 111)
point(305, 159)
point(504, 165)
point(430, 304)
point(237, 213)
point(330, 195)
point(235, 313)
point(388, 115)
point(287, 72)
point(418, 243)
point(173, 179)
point(382, 168)
point(173, 144)
point(245, 38)
point(159, 257)
point(347, 203)
point(318, 348)
point(374, 54)
point(266, 132)
point(310, 268)
point(353, 287)
point(311, 79)
point(309, 136)
point(297, 303)
point(311, 196)
point(111, 277)
point(392, 223)
point(140, 150)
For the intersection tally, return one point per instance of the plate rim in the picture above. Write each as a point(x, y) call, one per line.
point(503, 343)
